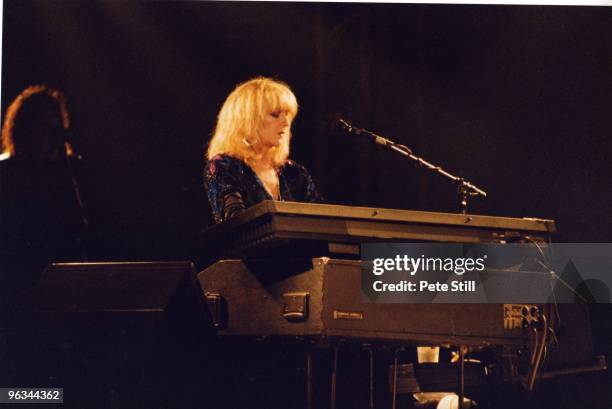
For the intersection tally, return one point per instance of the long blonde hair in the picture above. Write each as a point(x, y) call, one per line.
point(241, 116)
point(20, 105)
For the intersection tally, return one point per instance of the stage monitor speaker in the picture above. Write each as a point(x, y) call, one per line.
point(98, 296)
point(117, 335)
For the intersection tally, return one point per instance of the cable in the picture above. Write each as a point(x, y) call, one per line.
point(547, 265)
point(537, 356)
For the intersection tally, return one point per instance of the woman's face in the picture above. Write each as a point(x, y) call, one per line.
point(274, 127)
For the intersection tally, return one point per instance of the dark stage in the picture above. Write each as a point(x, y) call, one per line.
point(516, 99)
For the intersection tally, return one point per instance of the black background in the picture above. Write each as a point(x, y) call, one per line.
point(517, 99)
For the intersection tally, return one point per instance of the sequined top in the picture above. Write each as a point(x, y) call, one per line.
point(225, 175)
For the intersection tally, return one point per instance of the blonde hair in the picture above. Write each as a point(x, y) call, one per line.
point(20, 104)
point(241, 116)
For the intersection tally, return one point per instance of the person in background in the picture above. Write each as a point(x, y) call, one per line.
point(248, 155)
point(42, 218)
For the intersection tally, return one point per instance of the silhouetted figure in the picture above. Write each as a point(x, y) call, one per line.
point(42, 219)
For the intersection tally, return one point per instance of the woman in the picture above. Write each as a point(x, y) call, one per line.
point(248, 153)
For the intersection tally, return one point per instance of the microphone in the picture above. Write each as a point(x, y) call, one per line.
point(347, 127)
point(342, 124)
point(71, 152)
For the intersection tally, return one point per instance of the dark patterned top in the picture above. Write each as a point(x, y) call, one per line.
point(225, 176)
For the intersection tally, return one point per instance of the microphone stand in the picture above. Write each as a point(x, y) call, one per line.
point(465, 188)
point(71, 157)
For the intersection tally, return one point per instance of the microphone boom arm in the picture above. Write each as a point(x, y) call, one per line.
point(465, 188)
